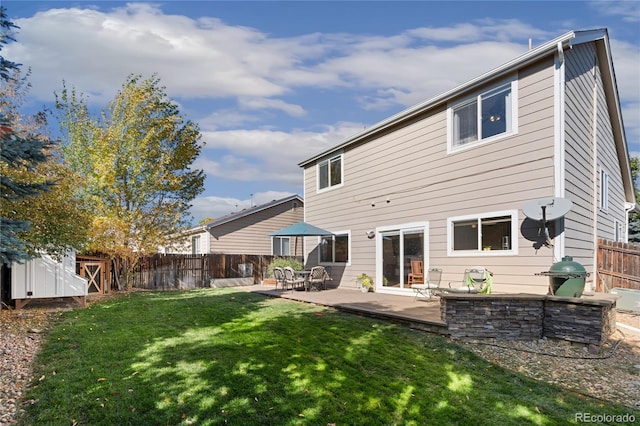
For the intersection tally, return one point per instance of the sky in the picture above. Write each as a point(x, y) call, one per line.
point(270, 84)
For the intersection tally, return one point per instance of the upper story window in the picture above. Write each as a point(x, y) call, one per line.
point(487, 115)
point(490, 233)
point(330, 172)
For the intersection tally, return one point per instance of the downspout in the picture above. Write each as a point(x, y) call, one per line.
point(596, 173)
point(559, 154)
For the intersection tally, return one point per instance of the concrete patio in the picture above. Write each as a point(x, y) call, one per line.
point(421, 314)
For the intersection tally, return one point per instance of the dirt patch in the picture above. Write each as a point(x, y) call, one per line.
point(610, 373)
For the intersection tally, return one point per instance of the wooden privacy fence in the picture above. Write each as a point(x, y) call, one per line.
point(176, 271)
point(618, 266)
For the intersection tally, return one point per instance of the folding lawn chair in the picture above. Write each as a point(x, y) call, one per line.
point(428, 288)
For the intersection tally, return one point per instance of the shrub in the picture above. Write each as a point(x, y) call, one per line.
point(282, 262)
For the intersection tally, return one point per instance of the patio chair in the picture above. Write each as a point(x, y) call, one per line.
point(416, 276)
point(318, 278)
point(429, 288)
point(290, 278)
point(476, 280)
point(278, 274)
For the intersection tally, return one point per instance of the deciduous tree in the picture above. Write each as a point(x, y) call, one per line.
point(135, 159)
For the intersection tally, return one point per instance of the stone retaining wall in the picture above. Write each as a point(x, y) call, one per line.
point(579, 320)
point(528, 317)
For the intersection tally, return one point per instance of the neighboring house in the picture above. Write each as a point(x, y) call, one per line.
point(247, 231)
point(445, 181)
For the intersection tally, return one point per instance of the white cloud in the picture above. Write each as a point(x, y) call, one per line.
point(264, 103)
point(631, 118)
point(95, 51)
point(227, 118)
point(626, 62)
point(267, 154)
point(198, 58)
point(628, 10)
point(260, 76)
point(214, 207)
point(481, 30)
point(406, 76)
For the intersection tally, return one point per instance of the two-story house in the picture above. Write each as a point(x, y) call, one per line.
point(445, 181)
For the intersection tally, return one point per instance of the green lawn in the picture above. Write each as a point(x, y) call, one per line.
point(225, 356)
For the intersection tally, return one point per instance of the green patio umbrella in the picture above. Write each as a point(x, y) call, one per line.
point(300, 229)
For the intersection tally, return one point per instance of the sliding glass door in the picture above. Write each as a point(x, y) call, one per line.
point(397, 248)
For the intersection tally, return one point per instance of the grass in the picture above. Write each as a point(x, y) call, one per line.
point(209, 357)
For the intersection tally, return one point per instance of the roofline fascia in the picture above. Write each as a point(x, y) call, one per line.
point(231, 219)
point(532, 55)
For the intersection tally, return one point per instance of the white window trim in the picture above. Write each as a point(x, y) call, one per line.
point(603, 190)
point(280, 238)
point(196, 250)
point(402, 228)
point(337, 234)
point(328, 160)
point(618, 231)
point(480, 252)
point(513, 81)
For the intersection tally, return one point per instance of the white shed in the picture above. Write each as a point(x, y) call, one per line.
point(43, 278)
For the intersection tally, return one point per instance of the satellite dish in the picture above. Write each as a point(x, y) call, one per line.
point(545, 209)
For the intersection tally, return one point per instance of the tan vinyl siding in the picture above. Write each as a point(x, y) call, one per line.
point(584, 113)
point(579, 153)
point(410, 166)
point(250, 234)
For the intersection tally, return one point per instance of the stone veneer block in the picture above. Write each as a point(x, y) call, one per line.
point(508, 316)
point(528, 317)
point(589, 321)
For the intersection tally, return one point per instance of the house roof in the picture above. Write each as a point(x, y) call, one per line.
point(247, 212)
point(557, 45)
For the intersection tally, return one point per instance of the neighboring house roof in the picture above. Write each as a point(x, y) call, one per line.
point(246, 212)
point(552, 47)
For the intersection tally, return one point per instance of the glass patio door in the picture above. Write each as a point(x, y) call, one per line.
point(399, 247)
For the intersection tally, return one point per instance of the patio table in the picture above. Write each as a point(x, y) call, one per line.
point(304, 274)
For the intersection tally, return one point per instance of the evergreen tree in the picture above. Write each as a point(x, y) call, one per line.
point(16, 154)
point(59, 219)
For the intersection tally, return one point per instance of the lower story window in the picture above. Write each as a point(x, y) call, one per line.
point(491, 233)
point(281, 246)
point(618, 234)
point(334, 248)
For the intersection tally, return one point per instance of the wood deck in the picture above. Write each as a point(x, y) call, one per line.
point(420, 314)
